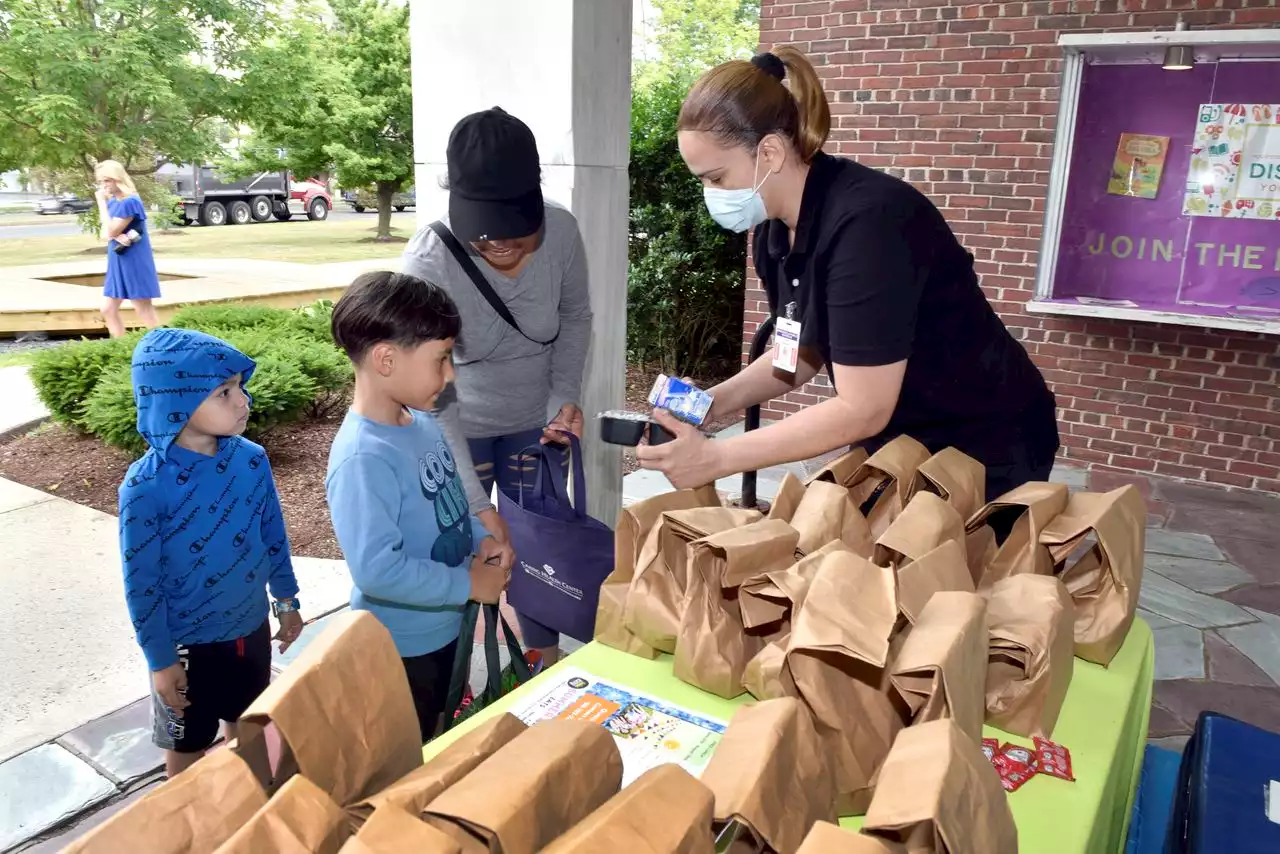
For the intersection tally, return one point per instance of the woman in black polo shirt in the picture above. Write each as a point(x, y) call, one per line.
point(867, 280)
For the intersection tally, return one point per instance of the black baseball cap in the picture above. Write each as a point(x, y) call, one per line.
point(495, 186)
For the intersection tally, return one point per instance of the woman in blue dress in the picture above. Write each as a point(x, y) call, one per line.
point(131, 268)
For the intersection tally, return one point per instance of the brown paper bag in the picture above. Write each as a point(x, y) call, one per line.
point(713, 646)
point(665, 811)
point(763, 677)
point(421, 786)
point(770, 601)
point(773, 597)
point(344, 713)
point(837, 660)
point(938, 671)
point(879, 486)
point(827, 838)
point(790, 494)
point(299, 819)
point(656, 602)
point(175, 818)
point(841, 471)
point(827, 513)
point(1108, 533)
point(954, 476)
point(1030, 624)
point(926, 523)
point(1025, 512)
point(938, 778)
point(543, 782)
point(391, 830)
point(634, 524)
point(944, 568)
point(770, 773)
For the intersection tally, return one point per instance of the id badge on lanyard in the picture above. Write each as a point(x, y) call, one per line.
point(786, 341)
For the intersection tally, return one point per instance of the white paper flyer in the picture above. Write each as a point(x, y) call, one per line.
point(649, 732)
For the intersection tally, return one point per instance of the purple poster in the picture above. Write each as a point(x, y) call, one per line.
point(1128, 248)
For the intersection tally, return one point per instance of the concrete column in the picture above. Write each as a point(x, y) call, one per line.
point(564, 68)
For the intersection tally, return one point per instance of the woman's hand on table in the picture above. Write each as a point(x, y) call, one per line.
point(689, 460)
point(568, 420)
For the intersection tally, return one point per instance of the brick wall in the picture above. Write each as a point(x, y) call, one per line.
point(960, 99)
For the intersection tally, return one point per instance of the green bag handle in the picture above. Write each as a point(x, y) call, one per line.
point(462, 659)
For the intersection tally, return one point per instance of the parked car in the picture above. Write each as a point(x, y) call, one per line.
point(67, 203)
point(366, 198)
point(209, 200)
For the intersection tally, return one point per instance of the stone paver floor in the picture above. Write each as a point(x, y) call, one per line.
point(1211, 593)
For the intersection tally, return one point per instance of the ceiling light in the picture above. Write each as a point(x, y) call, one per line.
point(1179, 57)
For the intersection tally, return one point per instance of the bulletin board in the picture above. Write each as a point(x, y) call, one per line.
point(1141, 228)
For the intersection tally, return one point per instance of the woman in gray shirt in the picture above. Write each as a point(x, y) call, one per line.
point(519, 377)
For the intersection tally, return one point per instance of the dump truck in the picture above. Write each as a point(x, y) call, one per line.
point(209, 199)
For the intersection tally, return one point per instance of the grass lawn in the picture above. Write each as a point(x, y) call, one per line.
point(17, 357)
point(28, 218)
point(299, 240)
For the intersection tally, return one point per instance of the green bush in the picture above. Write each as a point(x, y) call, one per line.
point(325, 365)
point(230, 316)
point(686, 274)
point(87, 384)
point(110, 414)
point(281, 393)
point(65, 376)
point(314, 320)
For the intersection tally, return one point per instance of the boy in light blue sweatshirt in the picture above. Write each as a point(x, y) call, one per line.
point(415, 552)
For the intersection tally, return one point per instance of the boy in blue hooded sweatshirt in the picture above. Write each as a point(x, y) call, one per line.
point(415, 552)
point(202, 538)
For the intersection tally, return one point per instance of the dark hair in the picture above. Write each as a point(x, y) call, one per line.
point(395, 307)
point(741, 102)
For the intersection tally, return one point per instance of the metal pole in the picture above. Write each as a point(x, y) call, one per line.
point(758, 342)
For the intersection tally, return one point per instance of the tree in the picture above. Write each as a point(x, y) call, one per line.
point(686, 274)
point(287, 97)
point(335, 95)
point(373, 120)
point(694, 35)
point(131, 80)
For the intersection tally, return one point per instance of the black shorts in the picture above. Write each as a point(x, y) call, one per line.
point(223, 678)
point(429, 683)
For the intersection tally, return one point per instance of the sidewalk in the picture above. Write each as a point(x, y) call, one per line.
point(22, 408)
point(74, 734)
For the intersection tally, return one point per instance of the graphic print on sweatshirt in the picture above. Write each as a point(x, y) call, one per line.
point(438, 476)
point(201, 537)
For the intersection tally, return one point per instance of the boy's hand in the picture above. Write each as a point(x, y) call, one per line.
point(488, 580)
point(498, 553)
point(171, 685)
point(290, 628)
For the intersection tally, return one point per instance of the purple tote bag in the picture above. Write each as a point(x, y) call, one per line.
point(562, 554)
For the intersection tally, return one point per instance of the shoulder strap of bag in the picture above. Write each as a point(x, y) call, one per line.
point(459, 678)
point(482, 284)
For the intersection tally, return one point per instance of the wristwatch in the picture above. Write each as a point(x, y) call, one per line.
point(284, 606)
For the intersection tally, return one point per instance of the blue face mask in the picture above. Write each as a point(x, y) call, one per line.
point(737, 210)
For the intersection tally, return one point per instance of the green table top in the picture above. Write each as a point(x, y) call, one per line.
point(1103, 723)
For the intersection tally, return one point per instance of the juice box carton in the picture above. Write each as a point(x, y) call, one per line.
point(683, 400)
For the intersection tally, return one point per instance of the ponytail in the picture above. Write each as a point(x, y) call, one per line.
point(742, 102)
point(814, 125)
